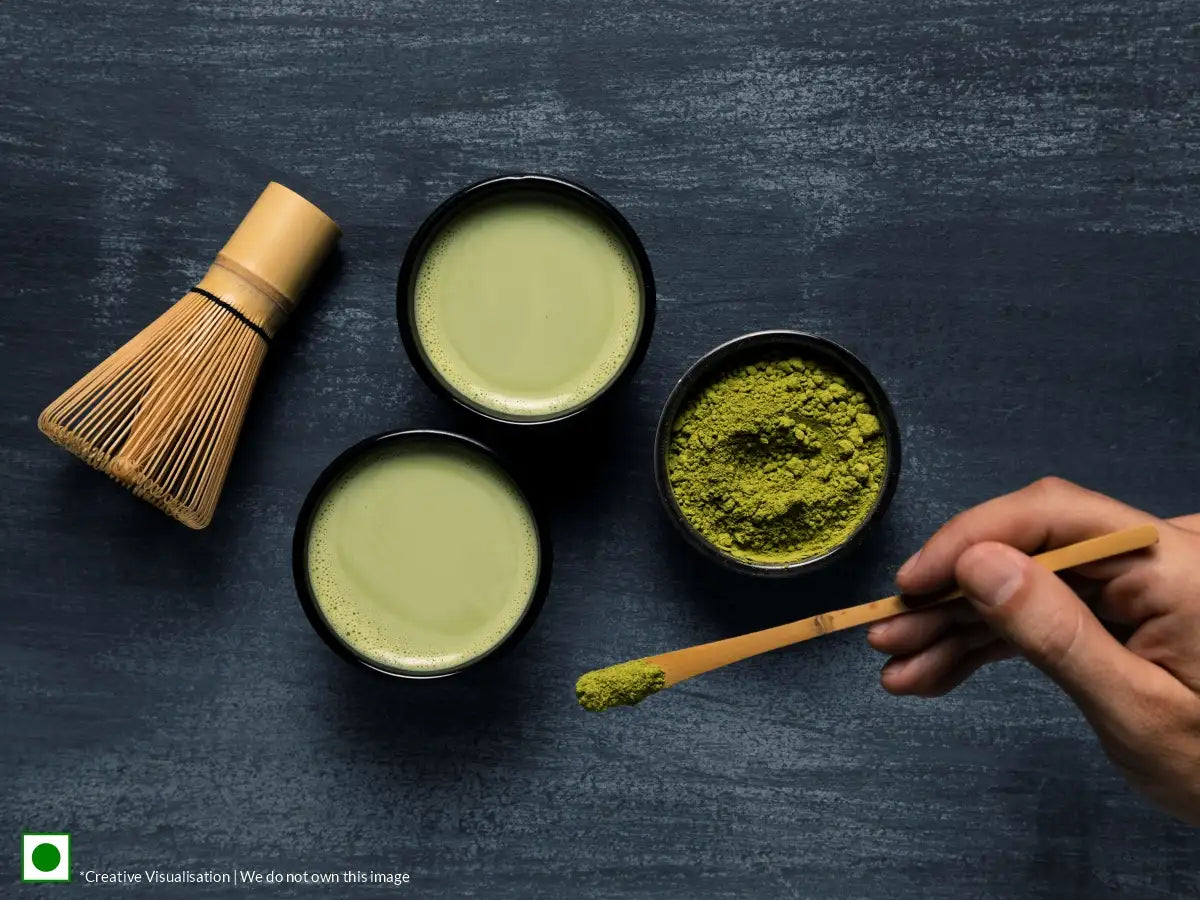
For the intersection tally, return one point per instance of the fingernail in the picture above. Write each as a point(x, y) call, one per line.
point(879, 629)
point(893, 667)
point(909, 564)
point(992, 576)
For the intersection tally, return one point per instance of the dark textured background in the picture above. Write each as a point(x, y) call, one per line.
point(994, 203)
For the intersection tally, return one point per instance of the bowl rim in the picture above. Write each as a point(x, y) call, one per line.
point(723, 356)
point(345, 461)
point(481, 191)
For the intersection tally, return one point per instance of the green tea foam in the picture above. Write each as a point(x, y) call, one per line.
point(528, 307)
point(423, 558)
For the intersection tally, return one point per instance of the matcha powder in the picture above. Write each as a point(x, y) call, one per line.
point(778, 461)
point(625, 684)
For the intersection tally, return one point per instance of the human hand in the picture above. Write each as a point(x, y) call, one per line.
point(1142, 697)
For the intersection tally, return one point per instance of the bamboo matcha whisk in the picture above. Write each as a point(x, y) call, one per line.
point(162, 414)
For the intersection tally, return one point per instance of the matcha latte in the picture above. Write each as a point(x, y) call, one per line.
point(422, 556)
point(527, 305)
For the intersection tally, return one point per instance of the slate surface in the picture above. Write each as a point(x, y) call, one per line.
point(994, 204)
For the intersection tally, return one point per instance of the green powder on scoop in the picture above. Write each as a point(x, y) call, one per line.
point(777, 461)
point(624, 684)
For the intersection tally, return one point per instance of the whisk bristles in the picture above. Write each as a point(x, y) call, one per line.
point(163, 413)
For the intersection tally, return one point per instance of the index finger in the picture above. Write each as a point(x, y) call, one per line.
point(1050, 512)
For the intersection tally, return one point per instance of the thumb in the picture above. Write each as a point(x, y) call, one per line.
point(1048, 623)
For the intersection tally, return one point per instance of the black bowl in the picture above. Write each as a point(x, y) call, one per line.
point(489, 189)
point(304, 524)
point(754, 348)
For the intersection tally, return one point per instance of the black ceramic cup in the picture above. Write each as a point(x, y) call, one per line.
point(346, 461)
point(519, 186)
point(755, 348)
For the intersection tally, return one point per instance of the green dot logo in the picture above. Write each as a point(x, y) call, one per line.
point(46, 857)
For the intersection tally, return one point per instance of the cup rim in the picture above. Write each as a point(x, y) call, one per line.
point(343, 462)
point(724, 356)
point(482, 190)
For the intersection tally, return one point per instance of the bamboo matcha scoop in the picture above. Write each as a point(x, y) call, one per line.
point(631, 682)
